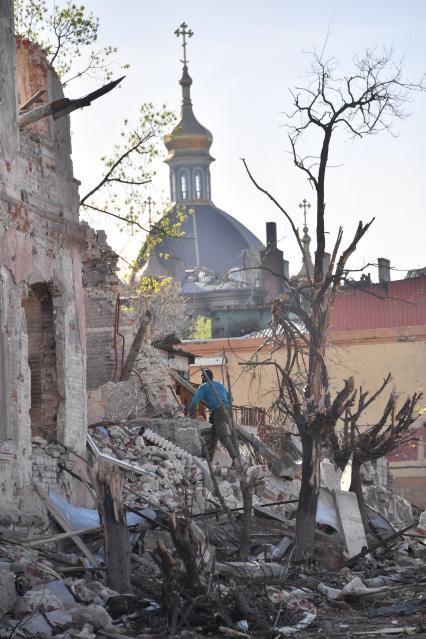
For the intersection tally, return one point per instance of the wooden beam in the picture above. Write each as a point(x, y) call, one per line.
point(108, 481)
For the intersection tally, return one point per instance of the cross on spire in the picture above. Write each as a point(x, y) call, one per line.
point(149, 202)
point(304, 205)
point(184, 32)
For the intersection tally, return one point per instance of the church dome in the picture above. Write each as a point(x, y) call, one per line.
point(212, 239)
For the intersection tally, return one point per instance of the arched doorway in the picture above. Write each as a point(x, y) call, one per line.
point(39, 312)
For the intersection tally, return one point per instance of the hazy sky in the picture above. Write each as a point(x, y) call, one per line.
point(244, 57)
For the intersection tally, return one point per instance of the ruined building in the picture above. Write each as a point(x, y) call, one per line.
point(57, 285)
point(42, 330)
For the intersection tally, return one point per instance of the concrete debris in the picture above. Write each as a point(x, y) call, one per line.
point(350, 521)
point(353, 591)
point(306, 621)
point(115, 401)
point(284, 467)
point(171, 498)
point(92, 614)
point(392, 506)
point(7, 591)
point(330, 477)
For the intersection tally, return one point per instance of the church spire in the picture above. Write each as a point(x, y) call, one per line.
point(189, 143)
point(306, 242)
point(186, 79)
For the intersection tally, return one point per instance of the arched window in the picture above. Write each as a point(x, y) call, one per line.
point(184, 186)
point(198, 186)
point(173, 185)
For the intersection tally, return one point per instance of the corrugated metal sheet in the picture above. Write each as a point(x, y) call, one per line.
point(396, 304)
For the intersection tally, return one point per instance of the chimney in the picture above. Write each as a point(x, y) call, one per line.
point(286, 269)
point(271, 235)
point(273, 265)
point(384, 270)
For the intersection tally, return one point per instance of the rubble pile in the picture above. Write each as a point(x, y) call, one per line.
point(187, 576)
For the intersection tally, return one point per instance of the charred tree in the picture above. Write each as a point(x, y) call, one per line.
point(368, 443)
point(108, 484)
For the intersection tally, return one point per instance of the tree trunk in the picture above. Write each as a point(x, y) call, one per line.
point(247, 493)
point(308, 496)
point(356, 487)
point(109, 490)
point(135, 347)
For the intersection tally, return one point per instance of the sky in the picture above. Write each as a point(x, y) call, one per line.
point(244, 58)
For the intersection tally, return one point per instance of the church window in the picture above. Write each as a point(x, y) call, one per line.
point(198, 191)
point(184, 186)
point(173, 178)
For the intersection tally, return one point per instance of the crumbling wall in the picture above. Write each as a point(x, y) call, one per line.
point(40, 249)
point(147, 392)
point(100, 288)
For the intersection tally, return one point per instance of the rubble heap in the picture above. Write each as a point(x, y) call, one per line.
point(187, 576)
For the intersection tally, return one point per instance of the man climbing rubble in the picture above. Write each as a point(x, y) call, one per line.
point(215, 395)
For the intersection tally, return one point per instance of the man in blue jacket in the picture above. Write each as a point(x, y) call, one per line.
point(215, 395)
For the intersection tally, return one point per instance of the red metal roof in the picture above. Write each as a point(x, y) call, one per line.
point(394, 304)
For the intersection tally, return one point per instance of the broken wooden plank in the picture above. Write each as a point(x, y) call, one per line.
point(31, 101)
point(35, 541)
point(59, 108)
point(60, 519)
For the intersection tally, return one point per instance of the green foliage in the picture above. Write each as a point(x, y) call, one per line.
point(68, 33)
point(127, 175)
point(167, 306)
point(151, 285)
point(202, 328)
point(169, 225)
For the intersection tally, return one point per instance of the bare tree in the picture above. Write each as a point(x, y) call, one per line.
point(166, 305)
point(369, 444)
point(363, 103)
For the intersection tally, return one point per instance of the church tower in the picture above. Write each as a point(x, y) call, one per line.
point(188, 145)
point(211, 240)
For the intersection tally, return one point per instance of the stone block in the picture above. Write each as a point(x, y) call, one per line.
point(221, 457)
point(97, 616)
point(189, 439)
point(350, 521)
point(329, 477)
point(114, 402)
point(284, 467)
point(7, 592)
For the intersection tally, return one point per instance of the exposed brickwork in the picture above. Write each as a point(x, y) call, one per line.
point(41, 240)
point(101, 288)
point(45, 399)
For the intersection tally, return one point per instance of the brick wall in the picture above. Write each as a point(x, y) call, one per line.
point(101, 288)
point(43, 351)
